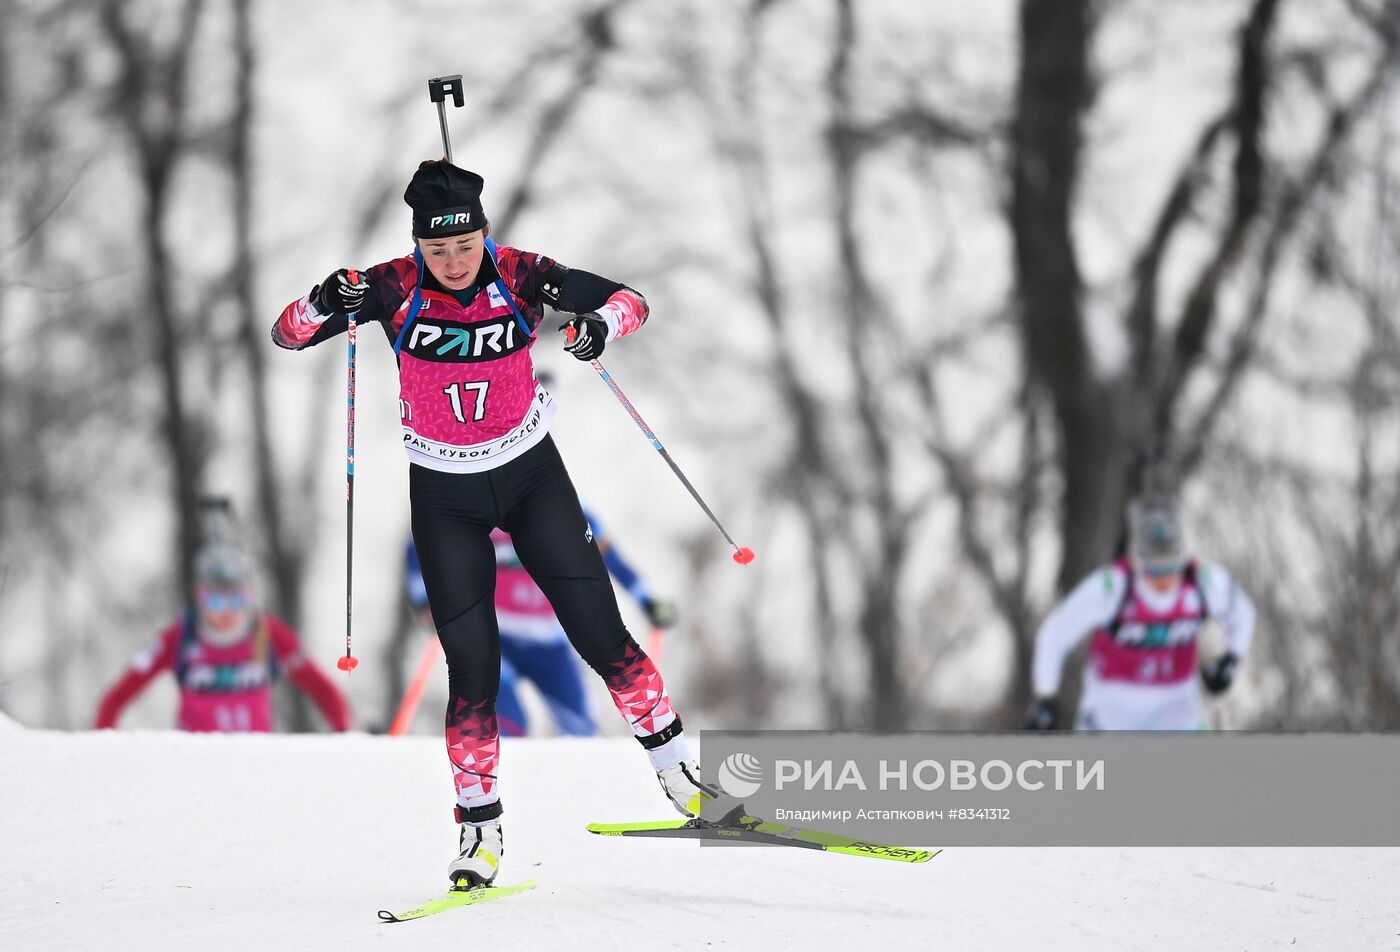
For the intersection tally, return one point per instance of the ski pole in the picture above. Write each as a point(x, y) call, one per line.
point(414, 694)
point(348, 663)
point(742, 554)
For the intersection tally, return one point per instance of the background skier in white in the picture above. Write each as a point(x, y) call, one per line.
point(1146, 612)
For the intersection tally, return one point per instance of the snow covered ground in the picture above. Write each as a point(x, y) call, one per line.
point(157, 841)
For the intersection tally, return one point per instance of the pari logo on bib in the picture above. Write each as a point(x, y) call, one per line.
point(451, 342)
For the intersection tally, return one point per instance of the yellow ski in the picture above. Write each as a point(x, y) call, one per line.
point(754, 830)
point(458, 896)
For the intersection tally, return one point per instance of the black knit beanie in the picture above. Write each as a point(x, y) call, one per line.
point(445, 200)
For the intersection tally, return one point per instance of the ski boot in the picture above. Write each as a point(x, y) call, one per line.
point(481, 846)
point(700, 801)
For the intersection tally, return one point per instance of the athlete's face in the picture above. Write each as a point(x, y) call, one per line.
point(224, 614)
point(454, 261)
point(1159, 580)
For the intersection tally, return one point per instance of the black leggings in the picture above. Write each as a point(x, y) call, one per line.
point(531, 498)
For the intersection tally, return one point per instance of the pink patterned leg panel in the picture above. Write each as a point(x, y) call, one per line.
point(473, 746)
point(636, 689)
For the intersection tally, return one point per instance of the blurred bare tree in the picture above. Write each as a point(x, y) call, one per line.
point(1322, 531)
point(150, 99)
point(73, 433)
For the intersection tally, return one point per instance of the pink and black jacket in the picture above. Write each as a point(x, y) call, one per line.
point(468, 397)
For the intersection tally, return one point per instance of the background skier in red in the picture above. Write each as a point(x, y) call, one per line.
point(225, 654)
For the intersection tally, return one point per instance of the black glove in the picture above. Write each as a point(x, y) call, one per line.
point(1041, 716)
point(660, 612)
point(588, 337)
point(1218, 674)
point(339, 294)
